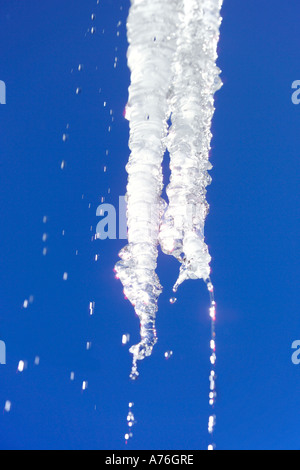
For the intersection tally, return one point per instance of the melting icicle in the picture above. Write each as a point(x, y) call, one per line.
point(84, 385)
point(37, 361)
point(147, 109)
point(125, 338)
point(196, 79)
point(179, 36)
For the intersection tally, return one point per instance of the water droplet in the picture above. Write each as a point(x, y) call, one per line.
point(125, 338)
point(37, 361)
point(168, 354)
point(7, 406)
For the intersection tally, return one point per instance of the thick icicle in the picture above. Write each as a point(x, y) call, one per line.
point(196, 79)
point(152, 44)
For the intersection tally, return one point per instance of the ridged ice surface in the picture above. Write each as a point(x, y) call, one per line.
point(172, 57)
point(196, 79)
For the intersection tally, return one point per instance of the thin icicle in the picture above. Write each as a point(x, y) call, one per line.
point(196, 79)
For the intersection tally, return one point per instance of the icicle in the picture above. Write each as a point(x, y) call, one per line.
point(213, 359)
point(152, 44)
point(196, 79)
point(172, 57)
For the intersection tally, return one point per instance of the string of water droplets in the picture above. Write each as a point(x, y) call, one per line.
point(130, 422)
point(213, 359)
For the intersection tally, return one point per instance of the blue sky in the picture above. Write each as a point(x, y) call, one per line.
point(252, 232)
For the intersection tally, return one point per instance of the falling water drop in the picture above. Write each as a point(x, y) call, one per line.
point(92, 308)
point(21, 366)
point(84, 385)
point(7, 406)
point(37, 361)
point(168, 354)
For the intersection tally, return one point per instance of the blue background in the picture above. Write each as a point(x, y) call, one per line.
point(252, 232)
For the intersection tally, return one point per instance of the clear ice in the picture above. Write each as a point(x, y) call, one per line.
point(172, 58)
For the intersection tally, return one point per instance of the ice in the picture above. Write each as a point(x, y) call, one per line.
point(196, 79)
point(172, 58)
point(152, 44)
